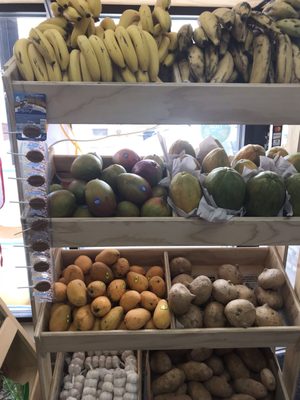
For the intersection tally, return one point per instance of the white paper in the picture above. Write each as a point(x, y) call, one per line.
point(278, 164)
point(179, 212)
point(207, 145)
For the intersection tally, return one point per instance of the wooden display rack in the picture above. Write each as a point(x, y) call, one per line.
point(171, 103)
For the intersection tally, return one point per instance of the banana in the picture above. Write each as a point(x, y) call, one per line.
point(261, 59)
point(248, 40)
point(85, 73)
point(225, 16)
point(184, 37)
point(163, 18)
point(96, 7)
point(99, 31)
point(243, 9)
point(91, 29)
point(146, 18)
point(59, 21)
point(211, 26)
point(129, 17)
point(200, 37)
point(127, 49)
point(113, 48)
point(173, 40)
point(63, 3)
point(165, 4)
point(42, 44)
point(65, 76)
point(289, 26)
point(211, 58)
point(87, 51)
point(224, 70)
point(74, 70)
point(142, 76)
point(103, 58)
point(81, 6)
point(20, 52)
point(233, 77)
point(44, 27)
point(163, 49)
point(140, 46)
point(239, 29)
point(294, 3)
point(296, 61)
point(157, 30)
point(263, 21)
point(224, 42)
point(284, 59)
point(116, 74)
point(271, 74)
point(72, 15)
point(127, 75)
point(158, 39)
point(80, 28)
point(240, 60)
point(184, 69)
point(56, 9)
point(176, 73)
point(153, 69)
point(108, 23)
point(54, 72)
point(37, 63)
point(169, 60)
point(280, 10)
point(196, 63)
point(60, 48)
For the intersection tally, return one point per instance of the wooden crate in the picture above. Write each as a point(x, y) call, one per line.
point(251, 261)
point(280, 393)
point(58, 373)
point(17, 353)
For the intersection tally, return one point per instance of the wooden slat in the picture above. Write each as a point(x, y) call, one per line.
point(8, 331)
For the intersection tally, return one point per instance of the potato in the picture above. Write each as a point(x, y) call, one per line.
point(112, 319)
point(214, 315)
point(198, 391)
point(218, 386)
point(271, 278)
point(138, 269)
point(246, 293)
point(180, 299)
point(216, 364)
point(160, 362)
point(97, 324)
point(162, 315)
point(59, 292)
point(72, 272)
point(168, 382)
point(96, 289)
point(185, 279)
point(121, 326)
point(201, 287)
point(196, 371)
point(172, 396)
point(101, 272)
point(158, 286)
point(182, 389)
point(72, 327)
point(155, 271)
point(60, 318)
point(108, 256)
point(130, 300)
point(235, 366)
point(222, 352)
point(87, 279)
point(268, 379)
point(251, 387)
point(226, 375)
point(137, 318)
point(180, 265)
point(137, 281)
point(100, 306)
point(240, 313)
point(200, 354)
point(273, 298)
point(150, 324)
point(241, 396)
point(120, 268)
point(230, 273)
point(116, 289)
point(84, 319)
point(149, 300)
point(191, 319)
point(253, 358)
point(84, 263)
point(76, 293)
point(224, 291)
point(266, 316)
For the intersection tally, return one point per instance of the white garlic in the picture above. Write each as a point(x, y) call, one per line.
point(102, 361)
point(131, 387)
point(67, 378)
point(126, 353)
point(95, 361)
point(75, 393)
point(64, 395)
point(93, 374)
point(108, 377)
point(119, 391)
point(79, 378)
point(79, 354)
point(120, 382)
point(106, 396)
point(107, 387)
point(98, 353)
point(90, 353)
point(74, 369)
point(88, 397)
point(68, 385)
point(78, 386)
point(130, 396)
point(92, 383)
point(89, 390)
point(132, 377)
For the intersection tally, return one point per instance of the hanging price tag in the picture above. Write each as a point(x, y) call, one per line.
point(2, 191)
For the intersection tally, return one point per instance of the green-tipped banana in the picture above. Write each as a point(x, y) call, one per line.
point(261, 59)
point(20, 52)
point(225, 16)
point(196, 63)
point(169, 60)
point(200, 37)
point(211, 26)
point(224, 70)
point(289, 26)
point(211, 58)
point(284, 59)
point(88, 53)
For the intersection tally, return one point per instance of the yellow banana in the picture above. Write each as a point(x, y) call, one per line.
point(86, 76)
point(59, 21)
point(80, 28)
point(56, 9)
point(108, 23)
point(158, 39)
point(146, 18)
point(239, 29)
point(173, 40)
point(54, 72)
point(196, 63)
point(165, 4)
point(224, 70)
point(211, 26)
point(225, 16)
point(157, 30)
point(99, 31)
point(60, 48)
point(81, 6)
point(261, 59)
point(44, 27)
point(234, 76)
point(296, 61)
point(284, 59)
point(225, 39)
point(127, 75)
point(163, 18)
point(91, 29)
point(127, 49)
point(129, 17)
point(289, 26)
point(200, 37)
point(20, 52)
point(103, 58)
point(37, 63)
point(169, 60)
point(113, 48)
point(87, 51)
point(153, 69)
point(63, 3)
point(74, 70)
point(142, 76)
point(96, 7)
point(65, 76)
point(240, 60)
point(163, 49)
point(117, 75)
point(263, 21)
point(280, 10)
point(184, 69)
point(140, 47)
point(71, 14)
point(42, 44)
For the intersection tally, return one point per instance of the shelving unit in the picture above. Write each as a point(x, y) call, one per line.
point(165, 104)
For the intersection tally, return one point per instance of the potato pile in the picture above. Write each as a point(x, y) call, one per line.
point(205, 374)
point(109, 293)
point(199, 302)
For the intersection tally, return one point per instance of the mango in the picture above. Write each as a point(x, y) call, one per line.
point(110, 174)
point(59, 292)
point(155, 271)
point(84, 318)
point(127, 209)
point(156, 207)
point(116, 289)
point(185, 191)
point(137, 318)
point(76, 293)
point(149, 300)
point(84, 263)
point(137, 281)
point(100, 306)
point(158, 286)
point(86, 167)
point(182, 146)
point(121, 267)
point(60, 318)
point(100, 198)
point(162, 315)
point(108, 256)
point(112, 319)
point(96, 289)
point(214, 159)
point(126, 157)
point(101, 272)
point(72, 272)
point(133, 188)
point(130, 300)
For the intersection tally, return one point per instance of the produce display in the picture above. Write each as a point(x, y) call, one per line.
point(108, 294)
point(227, 301)
point(206, 374)
point(229, 45)
point(251, 183)
point(101, 375)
